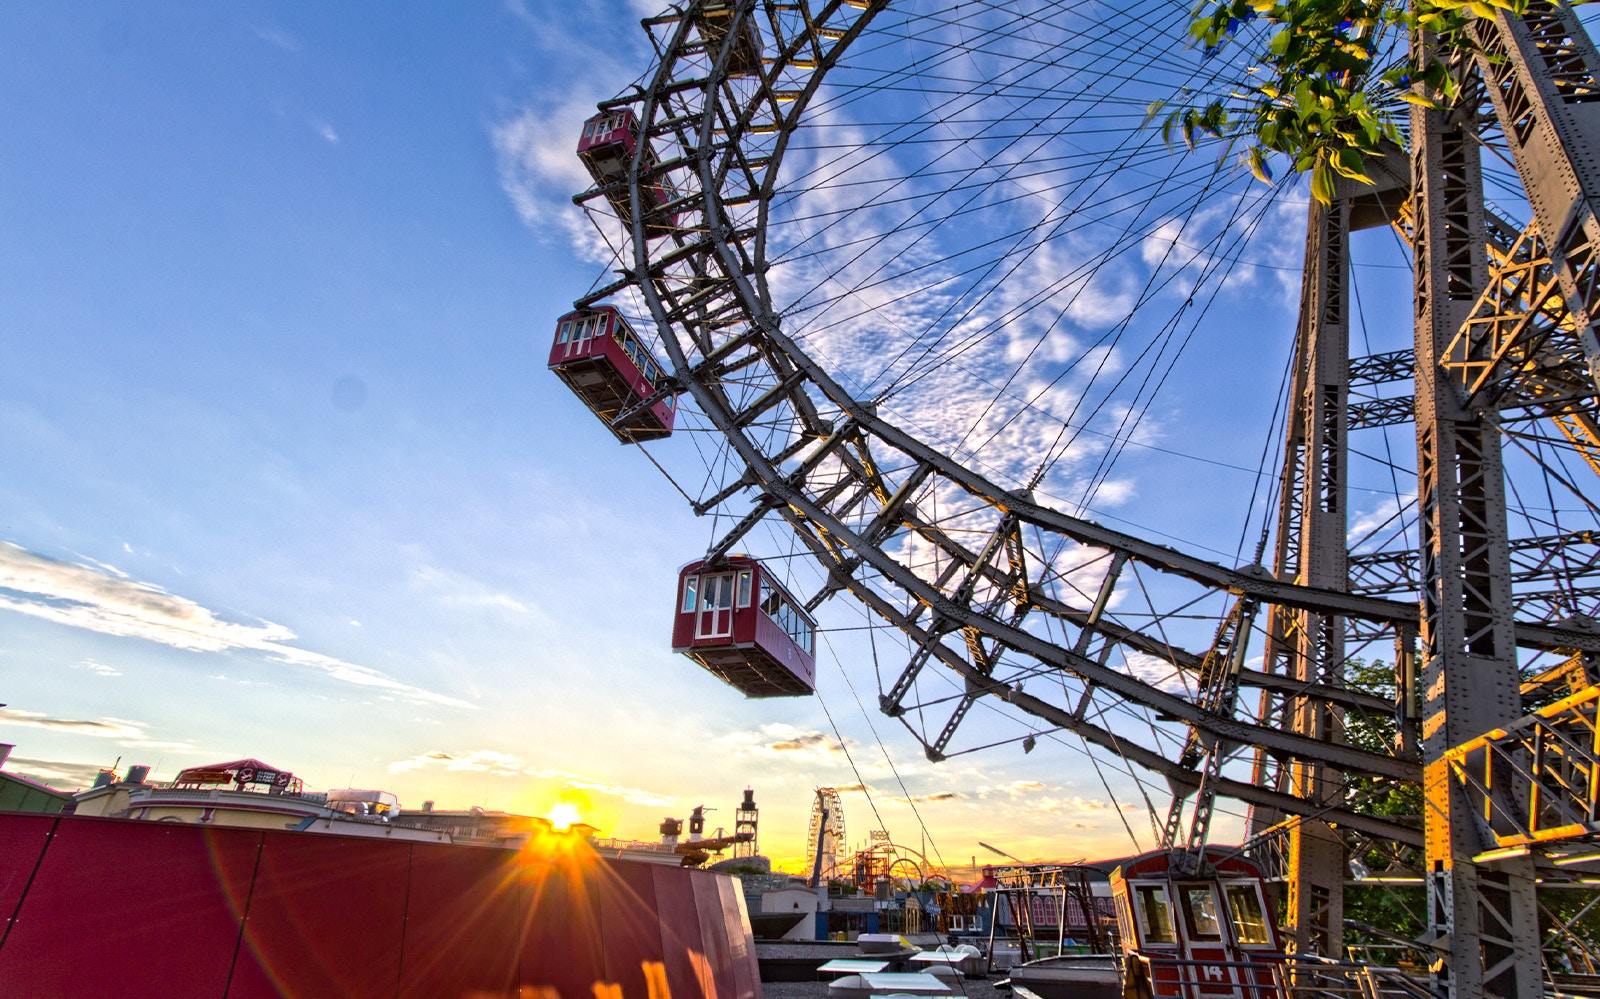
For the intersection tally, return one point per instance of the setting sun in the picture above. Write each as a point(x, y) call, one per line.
point(563, 816)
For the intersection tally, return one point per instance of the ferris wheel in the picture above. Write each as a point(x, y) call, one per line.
point(919, 280)
point(825, 841)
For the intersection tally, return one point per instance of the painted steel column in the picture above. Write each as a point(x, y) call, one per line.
point(1541, 69)
point(1485, 917)
point(1316, 852)
point(1277, 656)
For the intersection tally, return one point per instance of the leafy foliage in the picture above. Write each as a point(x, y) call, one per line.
point(1327, 90)
point(1377, 733)
point(1396, 911)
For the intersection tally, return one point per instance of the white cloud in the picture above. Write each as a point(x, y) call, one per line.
point(476, 761)
point(56, 773)
point(500, 764)
point(97, 668)
point(275, 37)
point(539, 166)
point(82, 596)
point(1372, 527)
point(1156, 672)
point(936, 796)
point(1016, 789)
point(105, 567)
point(780, 741)
point(1075, 805)
point(100, 728)
point(463, 591)
point(325, 130)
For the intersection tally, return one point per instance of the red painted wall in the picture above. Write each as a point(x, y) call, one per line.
point(107, 907)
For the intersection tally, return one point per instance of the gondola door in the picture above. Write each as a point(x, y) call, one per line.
point(1206, 942)
point(715, 619)
point(585, 329)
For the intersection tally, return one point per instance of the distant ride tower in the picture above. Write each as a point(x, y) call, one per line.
point(826, 836)
point(745, 821)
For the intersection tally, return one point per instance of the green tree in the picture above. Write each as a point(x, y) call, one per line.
point(1331, 79)
point(1394, 911)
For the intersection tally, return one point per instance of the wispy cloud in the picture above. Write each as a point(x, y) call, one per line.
point(1157, 673)
point(100, 728)
point(499, 764)
point(56, 773)
point(97, 668)
point(779, 741)
point(1015, 789)
point(88, 597)
point(1376, 525)
point(805, 742)
point(1076, 805)
point(326, 131)
point(276, 37)
point(536, 152)
point(917, 799)
point(460, 590)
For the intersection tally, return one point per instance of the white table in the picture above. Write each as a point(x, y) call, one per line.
point(853, 965)
point(912, 982)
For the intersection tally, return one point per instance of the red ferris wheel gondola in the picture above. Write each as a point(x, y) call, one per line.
point(607, 366)
point(606, 148)
point(1205, 935)
point(739, 623)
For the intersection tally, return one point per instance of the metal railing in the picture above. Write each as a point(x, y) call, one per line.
point(1538, 780)
point(1274, 976)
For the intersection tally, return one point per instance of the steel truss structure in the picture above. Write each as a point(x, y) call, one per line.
point(825, 837)
point(1019, 602)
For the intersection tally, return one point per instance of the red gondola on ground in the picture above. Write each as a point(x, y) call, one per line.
point(738, 622)
point(597, 354)
point(607, 148)
point(1209, 935)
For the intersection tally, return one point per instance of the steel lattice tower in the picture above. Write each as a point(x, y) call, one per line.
point(1481, 331)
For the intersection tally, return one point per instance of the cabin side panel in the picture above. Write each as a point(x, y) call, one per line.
point(783, 649)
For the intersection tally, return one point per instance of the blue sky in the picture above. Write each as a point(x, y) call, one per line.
point(285, 476)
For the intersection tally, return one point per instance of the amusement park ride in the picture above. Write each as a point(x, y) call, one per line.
point(1489, 713)
point(698, 848)
point(825, 836)
point(880, 862)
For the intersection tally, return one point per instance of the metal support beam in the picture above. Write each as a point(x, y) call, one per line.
point(1316, 851)
point(1484, 918)
point(1541, 69)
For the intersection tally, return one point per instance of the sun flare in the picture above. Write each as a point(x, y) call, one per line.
point(563, 816)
